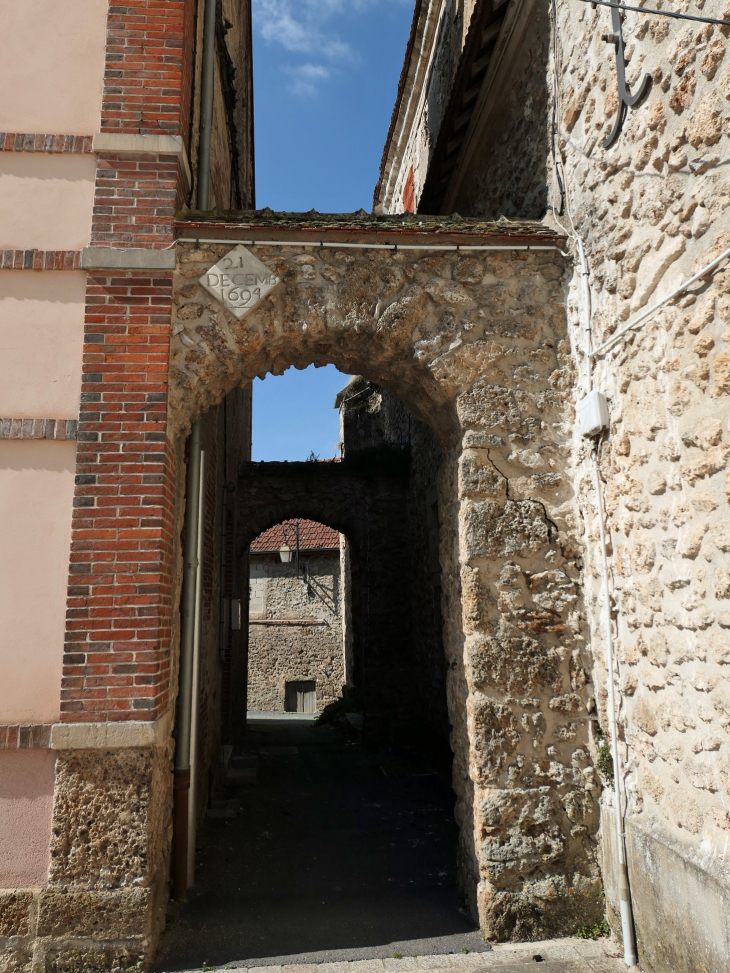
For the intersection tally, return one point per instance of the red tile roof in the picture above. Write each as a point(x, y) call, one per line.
point(312, 536)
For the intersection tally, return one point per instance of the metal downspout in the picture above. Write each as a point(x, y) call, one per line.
point(185, 679)
point(207, 89)
point(195, 698)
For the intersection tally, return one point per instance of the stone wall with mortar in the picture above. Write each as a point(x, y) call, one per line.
point(103, 906)
point(651, 210)
point(477, 347)
point(278, 654)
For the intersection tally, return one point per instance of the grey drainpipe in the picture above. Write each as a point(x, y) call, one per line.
point(207, 88)
point(185, 690)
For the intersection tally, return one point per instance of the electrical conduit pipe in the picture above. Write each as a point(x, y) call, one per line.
point(185, 676)
point(181, 800)
point(627, 920)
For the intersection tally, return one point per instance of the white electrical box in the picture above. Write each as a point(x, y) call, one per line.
point(593, 413)
point(236, 614)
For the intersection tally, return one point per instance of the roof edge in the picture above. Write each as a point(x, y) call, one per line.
point(399, 97)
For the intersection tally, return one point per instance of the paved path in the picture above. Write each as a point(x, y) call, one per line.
point(330, 852)
point(553, 956)
point(326, 857)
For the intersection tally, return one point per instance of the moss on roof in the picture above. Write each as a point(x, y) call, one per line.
point(368, 222)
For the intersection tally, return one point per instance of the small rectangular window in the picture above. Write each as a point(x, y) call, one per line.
point(301, 697)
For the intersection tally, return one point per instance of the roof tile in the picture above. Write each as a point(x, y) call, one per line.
point(312, 536)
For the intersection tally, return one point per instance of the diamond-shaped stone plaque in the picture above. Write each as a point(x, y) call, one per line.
point(239, 281)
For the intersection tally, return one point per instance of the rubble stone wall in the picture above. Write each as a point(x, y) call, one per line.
point(312, 650)
point(104, 902)
point(651, 210)
point(477, 347)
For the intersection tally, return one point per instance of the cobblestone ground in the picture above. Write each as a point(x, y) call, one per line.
point(552, 956)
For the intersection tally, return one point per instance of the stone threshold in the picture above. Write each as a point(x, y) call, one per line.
point(286, 621)
point(554, 955)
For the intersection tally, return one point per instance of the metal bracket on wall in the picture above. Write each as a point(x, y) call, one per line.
point(625, 100)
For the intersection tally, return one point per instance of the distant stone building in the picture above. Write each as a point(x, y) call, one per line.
point(296, 619)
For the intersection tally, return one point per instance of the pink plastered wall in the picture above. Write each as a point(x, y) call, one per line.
point(52, 65)
point(41, 339)
point(46, 200)
point(36, 502)
point(26, 807)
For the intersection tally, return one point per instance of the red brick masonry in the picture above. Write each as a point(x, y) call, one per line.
point(38, 429)
point(40, 259)
point(25, 736)
point(117, 648)
point(23, 142)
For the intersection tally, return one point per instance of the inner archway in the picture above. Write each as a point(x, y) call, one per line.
point(382, 492)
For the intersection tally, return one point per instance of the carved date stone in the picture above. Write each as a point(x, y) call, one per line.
point(239, 281)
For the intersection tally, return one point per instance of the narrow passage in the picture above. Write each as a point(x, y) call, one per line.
point(332, 847)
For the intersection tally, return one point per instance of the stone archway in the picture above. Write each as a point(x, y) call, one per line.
point(473, 342)
point(370, 509)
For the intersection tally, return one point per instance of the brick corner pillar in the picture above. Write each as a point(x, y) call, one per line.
point(113, 743)
point(118, 628)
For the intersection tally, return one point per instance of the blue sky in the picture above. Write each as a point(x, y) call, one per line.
point(294, 414)
point(325, 80)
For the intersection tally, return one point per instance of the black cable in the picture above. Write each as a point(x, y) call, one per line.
point(658, 13)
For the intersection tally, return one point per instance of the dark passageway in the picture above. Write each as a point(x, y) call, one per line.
point(335, 847)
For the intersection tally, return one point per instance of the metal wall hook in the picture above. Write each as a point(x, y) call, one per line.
point(625, 99)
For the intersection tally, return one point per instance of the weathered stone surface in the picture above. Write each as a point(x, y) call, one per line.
point(515, 664)
point(72, 958)
point(508, 529)
point(519, 836)
point(495, 738)
point(14, 912)
point(107, 816)
point(120, 914)
point(15, 956)
point(562, 904)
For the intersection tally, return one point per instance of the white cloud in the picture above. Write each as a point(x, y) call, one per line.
point(306, 78)
point(301, 27)
point(306, 27)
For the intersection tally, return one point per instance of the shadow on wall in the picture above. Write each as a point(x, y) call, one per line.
point(509, 172)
